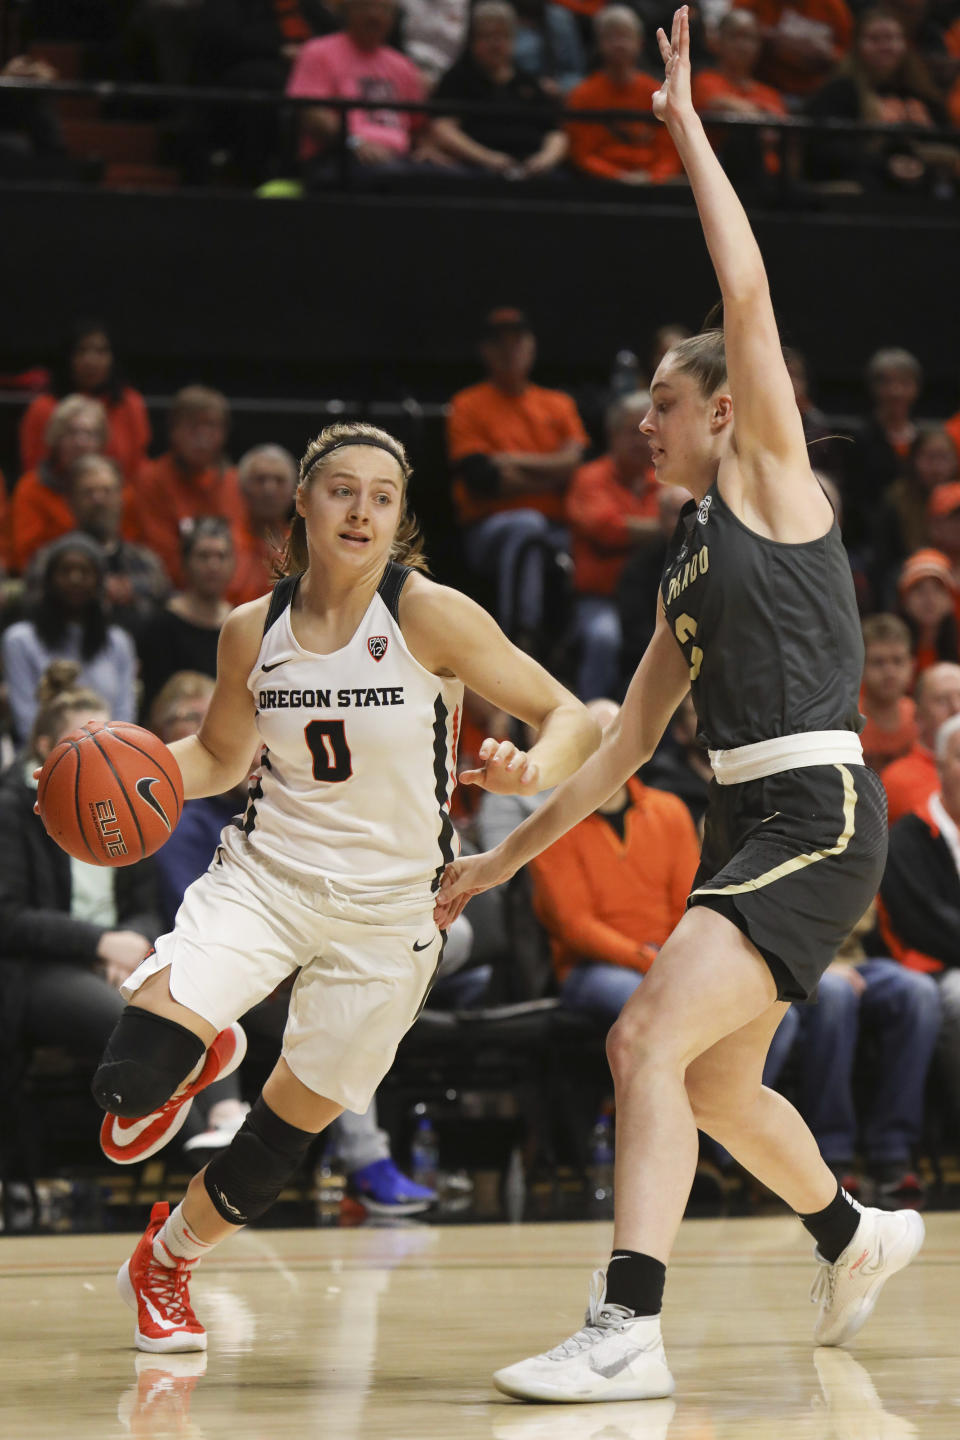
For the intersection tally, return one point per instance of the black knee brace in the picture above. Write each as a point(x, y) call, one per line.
point(146, 1058)
point(244, 1180)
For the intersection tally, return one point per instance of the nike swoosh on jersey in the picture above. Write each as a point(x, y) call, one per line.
point(267, 668)
point(425, 946)
point(146, 794)
point(616, 1366)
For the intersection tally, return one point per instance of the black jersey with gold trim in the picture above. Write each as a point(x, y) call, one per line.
point(770, 630)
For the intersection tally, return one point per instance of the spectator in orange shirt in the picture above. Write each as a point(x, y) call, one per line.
point(89, 369)
point(911, 780)
point(928, 600)
point(612, 507)
point(891, 727)
point(732, 89)
point(192, 479)
point(610, 890)
point(268, 480)
point(40, 510)
point(513, 447)
point(803, 41)
point(632, 152)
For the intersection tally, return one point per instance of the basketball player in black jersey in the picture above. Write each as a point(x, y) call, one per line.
point(757, 615)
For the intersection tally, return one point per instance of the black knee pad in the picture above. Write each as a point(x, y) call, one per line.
point(244, 1180)
point(146, 1058)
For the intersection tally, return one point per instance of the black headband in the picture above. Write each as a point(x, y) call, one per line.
point(342, 444)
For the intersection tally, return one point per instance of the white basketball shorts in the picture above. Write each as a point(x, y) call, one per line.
point(366, 961)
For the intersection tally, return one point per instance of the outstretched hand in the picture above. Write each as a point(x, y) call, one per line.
point(504, 770)
point(672, 100)
point(463, 879)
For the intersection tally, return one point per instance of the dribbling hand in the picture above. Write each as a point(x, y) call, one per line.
point(504, 770)
point(462, 880)
point(672, 101)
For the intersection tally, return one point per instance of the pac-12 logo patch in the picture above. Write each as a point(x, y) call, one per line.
point(703, 513)
point(377, 645)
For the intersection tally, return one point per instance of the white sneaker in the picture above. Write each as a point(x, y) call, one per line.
point(884, 1242)
point(616, 1356)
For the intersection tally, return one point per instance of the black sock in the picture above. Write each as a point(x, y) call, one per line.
point(833, 1227)
point(636, 1281)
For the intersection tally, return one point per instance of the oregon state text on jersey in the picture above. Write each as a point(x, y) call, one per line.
point(361, 748)
point(770, 630)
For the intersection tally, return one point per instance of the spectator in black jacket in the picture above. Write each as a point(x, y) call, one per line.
point(882, 81)
point(680, 764)
point(920, 896)
point(882, 443)
point(70, 933)
point(519, 135)
point(186, 633)
point(251, 45)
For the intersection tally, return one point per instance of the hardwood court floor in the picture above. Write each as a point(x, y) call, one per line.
point(391, 1334)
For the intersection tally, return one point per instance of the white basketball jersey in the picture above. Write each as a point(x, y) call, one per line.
point(361, 749)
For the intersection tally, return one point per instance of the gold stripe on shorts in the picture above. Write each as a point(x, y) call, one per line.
point(789, 867)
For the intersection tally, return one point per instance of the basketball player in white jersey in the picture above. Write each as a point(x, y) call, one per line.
point(351, 676)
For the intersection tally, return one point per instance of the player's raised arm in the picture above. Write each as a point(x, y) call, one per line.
point(770, 441)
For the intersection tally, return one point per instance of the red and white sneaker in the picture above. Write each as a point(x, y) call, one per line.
point(126, 1141)
point(160, 1295)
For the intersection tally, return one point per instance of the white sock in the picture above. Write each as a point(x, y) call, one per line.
point(177, 1241)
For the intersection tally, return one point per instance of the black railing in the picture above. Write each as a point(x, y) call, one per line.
point(798, 127)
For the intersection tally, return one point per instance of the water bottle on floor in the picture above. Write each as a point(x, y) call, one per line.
point(424, 1151)
point(600, 1167)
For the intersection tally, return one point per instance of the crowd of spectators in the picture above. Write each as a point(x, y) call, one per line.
point(525, 68)
point(120, 569)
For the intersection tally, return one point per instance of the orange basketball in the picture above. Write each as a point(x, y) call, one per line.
point(110, 794)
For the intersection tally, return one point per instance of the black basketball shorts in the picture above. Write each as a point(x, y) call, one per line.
point(794, 860)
